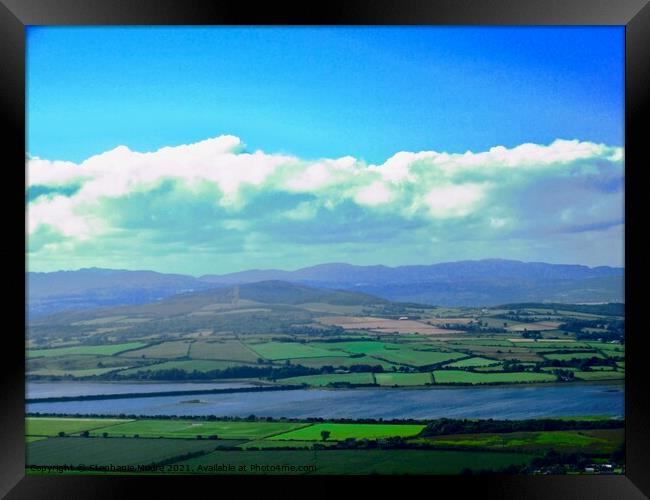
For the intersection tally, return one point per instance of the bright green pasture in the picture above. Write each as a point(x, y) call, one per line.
point(103, 350)
point(417, 358)
point(192, 428)
point(51, 426)
point(464, 377)
point(406, 379)
point(340, 432)
point(288, 350)
point(321, 380)
point(470, 362)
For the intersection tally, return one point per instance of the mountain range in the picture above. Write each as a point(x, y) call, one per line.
point(465, 283)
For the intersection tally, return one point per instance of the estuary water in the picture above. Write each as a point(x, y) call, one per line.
point(499, 402)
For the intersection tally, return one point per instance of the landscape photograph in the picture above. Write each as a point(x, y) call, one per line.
point(325, 251)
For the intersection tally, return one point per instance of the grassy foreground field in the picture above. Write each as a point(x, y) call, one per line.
point(52, 426)
point(340, 432)
point(104, 350)
point(192, 429)
point(599, 440)
point(116, 451)
point(464, 377)
point(356, 462)
point(266, 447)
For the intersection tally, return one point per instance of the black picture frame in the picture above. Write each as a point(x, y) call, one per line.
point(16, 14)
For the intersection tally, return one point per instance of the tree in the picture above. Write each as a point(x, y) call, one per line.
point(85, 434)
point(324, 435)
point(105, 434)
point(61, 434)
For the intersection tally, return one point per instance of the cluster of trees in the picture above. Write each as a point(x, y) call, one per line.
point(451, 426)
point(272, 372)
point(518, 317)
point(609, 309)
point(583, 364)
point(608, 329)
point(473, 326)
point(551, 463)
point(330, 330)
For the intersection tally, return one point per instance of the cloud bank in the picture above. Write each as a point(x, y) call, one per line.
point(213, 206)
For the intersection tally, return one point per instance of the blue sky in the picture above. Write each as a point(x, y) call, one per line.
point(329, 111)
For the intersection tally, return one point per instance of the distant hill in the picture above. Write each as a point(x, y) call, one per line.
point(94, 287)
point(263, 304)
point(465, 283)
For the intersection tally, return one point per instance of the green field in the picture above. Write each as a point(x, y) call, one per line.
point(175, 349)
point(403, 379)
point(46, 426)
point(288, 350)
point(368, 347)
point(466, 343)
point(31, 439)
point(575, 355)
point(103, 350)
point(471, 362)
point(412, 357)
point(340, 432)
point(191, 428)
point(600, 375)
point(113, 451)
point(76, 373)
point(599, 441)
point(201, 365)
point(230, 351)
point(549, 346)
point(293, 443)
point(265, 444)
point(615, 349)
point(464, 377)
point(322, 380)
point(342, 361)
point(401, 354)
point(364, 461)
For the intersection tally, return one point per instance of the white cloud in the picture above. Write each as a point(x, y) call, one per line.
point(374, 194)
point(500, 186)
point(453, 201)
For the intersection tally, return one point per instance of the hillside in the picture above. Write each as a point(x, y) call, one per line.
point(465, 283)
